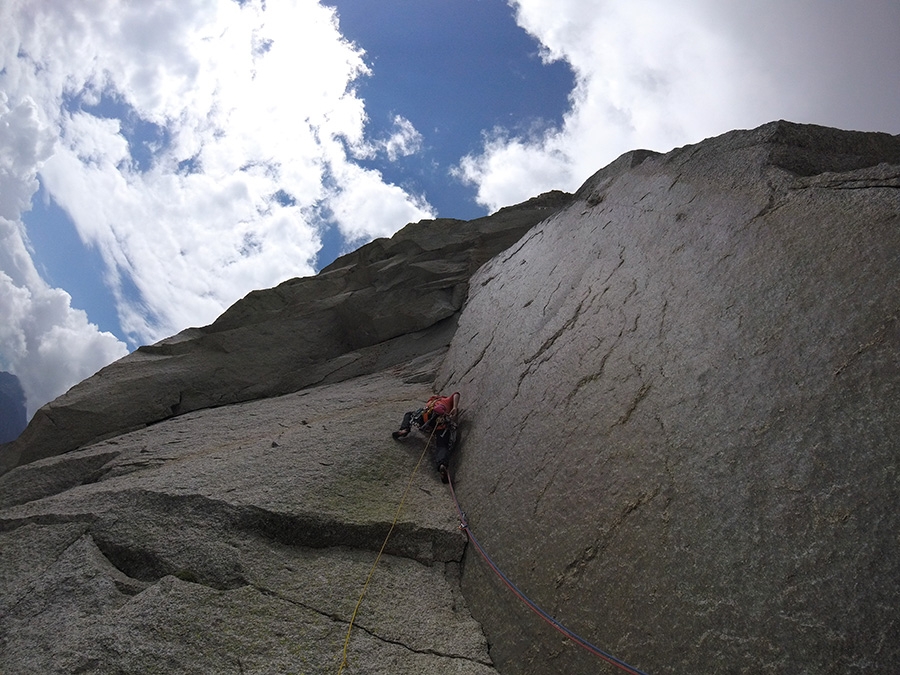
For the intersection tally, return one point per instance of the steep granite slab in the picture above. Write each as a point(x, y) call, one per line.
point(384, 304)
point(683, 395)
point(238, 539)
point(680, 401)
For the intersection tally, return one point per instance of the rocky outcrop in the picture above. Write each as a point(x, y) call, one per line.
point(684, 393)
point(239, 540)
point(680, 396)
point(237, 537)
point(387, 303)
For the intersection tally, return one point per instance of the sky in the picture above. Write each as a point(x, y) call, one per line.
point(159, 159)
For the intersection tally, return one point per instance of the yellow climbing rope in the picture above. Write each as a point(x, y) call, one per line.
point(378, 557)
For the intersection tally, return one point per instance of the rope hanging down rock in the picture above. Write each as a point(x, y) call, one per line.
point(581, 642)
point(380, 552)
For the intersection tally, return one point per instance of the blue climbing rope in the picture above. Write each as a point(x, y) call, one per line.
point(581, 642)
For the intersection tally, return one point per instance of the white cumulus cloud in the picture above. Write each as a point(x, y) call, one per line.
point(201, 147)
point(655, 74)
point(405, 140)
point(48, 344)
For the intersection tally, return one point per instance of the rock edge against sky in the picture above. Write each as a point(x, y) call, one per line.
point(680, 438)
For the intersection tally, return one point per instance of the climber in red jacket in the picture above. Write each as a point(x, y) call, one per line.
point(437, 418)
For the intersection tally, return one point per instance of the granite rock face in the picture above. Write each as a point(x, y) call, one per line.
point(680, 393)
point(386, 303)
point(237, 534)
point(685, 391)
point(239, 540)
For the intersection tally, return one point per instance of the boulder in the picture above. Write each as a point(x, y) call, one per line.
point(683, 393)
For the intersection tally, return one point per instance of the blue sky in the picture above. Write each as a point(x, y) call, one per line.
point(160, 160)
point(453, 68)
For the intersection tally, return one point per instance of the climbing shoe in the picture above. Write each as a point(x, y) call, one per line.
point(442, 469)
point(403, 433)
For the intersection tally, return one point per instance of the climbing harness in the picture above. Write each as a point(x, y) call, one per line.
point(380, 552)
point(581, 642)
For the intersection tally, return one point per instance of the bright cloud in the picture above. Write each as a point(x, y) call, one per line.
point(654, 74)
point(405, 140)
point(24, 145)
point(47, 343)
point(43, 340)
point(199, 146)
point(369, 209)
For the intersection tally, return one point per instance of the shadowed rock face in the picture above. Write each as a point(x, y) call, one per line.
point(387, 303)
point(680, 396)
point(685, 420)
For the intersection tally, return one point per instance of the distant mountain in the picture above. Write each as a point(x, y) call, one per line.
point(12, 407)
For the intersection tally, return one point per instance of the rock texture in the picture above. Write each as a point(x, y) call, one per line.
point(685, 421)
point(680, 386)
point(238, 540)
point(387, 303)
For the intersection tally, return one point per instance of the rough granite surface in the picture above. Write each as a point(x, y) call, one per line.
point(680, 391)
point(239, 540)
point(386, 303)
point(685, 392)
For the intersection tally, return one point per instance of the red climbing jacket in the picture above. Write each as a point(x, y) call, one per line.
point(440, 406)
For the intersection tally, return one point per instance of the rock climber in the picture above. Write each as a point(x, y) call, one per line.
point(438, 417)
